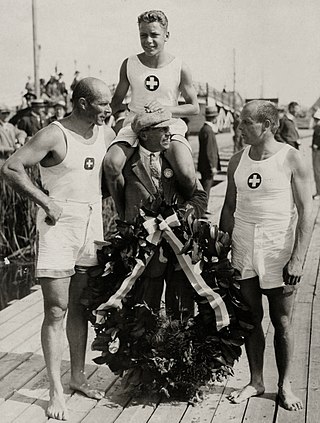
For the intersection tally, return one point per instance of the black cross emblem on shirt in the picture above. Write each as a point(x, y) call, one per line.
point(254, 180)
point(151, 83)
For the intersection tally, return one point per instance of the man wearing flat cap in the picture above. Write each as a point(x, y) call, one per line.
point(149, 179)
point(208, 159)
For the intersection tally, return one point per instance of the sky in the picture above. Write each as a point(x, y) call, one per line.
point(273, 45)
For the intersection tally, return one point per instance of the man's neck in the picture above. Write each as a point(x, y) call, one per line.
point(162, 59)
point(267, 148)
point(146, 150)
point(77, 124)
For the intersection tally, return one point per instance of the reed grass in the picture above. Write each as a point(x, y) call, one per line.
point(17, 220)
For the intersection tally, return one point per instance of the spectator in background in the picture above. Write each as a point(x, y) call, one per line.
point(35, 119)
point(52, 88)
point(76, 79)
point(60, 110)
point(316, 153)
point(11, 138)
point(208, 159)
point(288, 132)
point(62, 86)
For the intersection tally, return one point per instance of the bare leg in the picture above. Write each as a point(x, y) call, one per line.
point(114, 162)
point(55, 295)
point(181, 160)
point(77, 332)
point(255, 343)
point(281, 311)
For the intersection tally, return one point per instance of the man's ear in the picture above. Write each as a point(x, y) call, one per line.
point(83, 103)
point(267, 124)
point(143, 137)
point(167, 36)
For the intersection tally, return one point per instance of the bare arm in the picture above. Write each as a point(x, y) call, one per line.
point(14, 169)
point(121, 90)
point(227, 219)
point(303, 200)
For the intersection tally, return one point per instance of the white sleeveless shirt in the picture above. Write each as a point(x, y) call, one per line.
point(147, 84)
point(264, 191)
point(78, 176)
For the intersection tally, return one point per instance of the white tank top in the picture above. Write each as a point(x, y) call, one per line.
point(161, 84)
point(78, 176)
point(264, 191)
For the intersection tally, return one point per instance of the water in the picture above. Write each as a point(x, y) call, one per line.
point(16, 281)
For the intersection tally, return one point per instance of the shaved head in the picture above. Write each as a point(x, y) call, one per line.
point(262, 110)
point(90, 89)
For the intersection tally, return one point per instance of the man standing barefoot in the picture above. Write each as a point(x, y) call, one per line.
point(69, 220)
point(267, 183)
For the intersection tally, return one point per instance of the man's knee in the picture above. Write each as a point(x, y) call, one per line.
point(55, 312)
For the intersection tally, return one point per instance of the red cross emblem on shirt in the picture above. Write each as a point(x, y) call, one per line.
point(254, 180)
point(151, 83)
point(89, 163)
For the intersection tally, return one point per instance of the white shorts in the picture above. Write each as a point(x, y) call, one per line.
point(262, 250)
point(71, 241)
point(127, 135)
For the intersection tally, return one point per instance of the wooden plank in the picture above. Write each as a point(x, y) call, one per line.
point(79, 406)
point(299, 378)
point(21, 319)
point(204, 411)
point(109, 408)
point(22, 334)
point(20, 376)
point(23, 304)
point(35, 411)
point(225, 410)
point(262, 408)
point(11, 361)
point(169, 412)
point(23, 398)
point(313, 398)
point(138, 410)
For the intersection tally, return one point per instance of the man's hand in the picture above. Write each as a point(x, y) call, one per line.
point(292, 272)
point(53, 213)
point(154, 106)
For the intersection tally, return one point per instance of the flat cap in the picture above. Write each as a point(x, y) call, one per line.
point(155, 120)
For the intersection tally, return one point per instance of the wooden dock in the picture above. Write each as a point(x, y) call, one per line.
point(24, 384)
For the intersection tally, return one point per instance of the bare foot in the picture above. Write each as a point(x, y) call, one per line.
point(247, 392)
point(57, 407)
point(87, 390)
point(288, 400)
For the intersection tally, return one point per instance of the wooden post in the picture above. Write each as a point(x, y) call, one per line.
point(35, 49)
point(234, 80)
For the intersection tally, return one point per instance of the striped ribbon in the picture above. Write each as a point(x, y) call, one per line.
point(158, 228)
point(115, 300)
point(155, 231)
